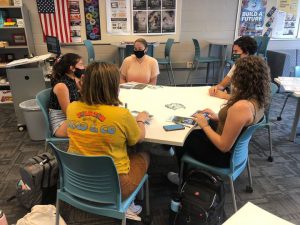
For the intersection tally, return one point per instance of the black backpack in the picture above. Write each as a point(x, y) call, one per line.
point(202, 198)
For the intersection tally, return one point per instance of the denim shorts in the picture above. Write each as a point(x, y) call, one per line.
point(57, 117)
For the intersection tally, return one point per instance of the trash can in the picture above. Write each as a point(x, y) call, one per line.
point(34, 119)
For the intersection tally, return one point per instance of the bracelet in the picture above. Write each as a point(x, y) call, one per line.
point(139, 121)
point(205, 126)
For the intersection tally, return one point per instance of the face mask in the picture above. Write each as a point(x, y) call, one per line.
point(139, 54)
point(78, 72)
point(235, 57)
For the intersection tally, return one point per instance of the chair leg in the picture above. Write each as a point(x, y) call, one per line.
point(270, 158)
point(287, 97)
point(172, 73)
point(124, 221)
point(249, 188)
point(233, 195)
point(168, 74)
point(180, 176)
point(46, 146)
point(57, 212)
point(207, 73)
point(147, 198)
point(189, 74)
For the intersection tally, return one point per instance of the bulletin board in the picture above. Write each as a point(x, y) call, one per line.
point(278, 19)
point(108, 38)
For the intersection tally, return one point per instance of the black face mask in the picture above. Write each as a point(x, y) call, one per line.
point(139, 54)
point(79, 72)
point(235, 57)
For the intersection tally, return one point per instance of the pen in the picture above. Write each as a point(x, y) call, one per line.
point(125, 105)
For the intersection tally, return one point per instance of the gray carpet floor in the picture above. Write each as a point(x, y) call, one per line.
point(276, 184)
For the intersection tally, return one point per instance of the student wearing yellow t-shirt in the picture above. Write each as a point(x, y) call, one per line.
point(140, 67)
point(98, 126)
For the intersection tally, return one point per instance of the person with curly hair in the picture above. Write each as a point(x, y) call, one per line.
point(242, 47)
point(212, 144)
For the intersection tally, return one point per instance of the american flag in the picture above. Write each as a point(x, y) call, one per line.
point(54, 16)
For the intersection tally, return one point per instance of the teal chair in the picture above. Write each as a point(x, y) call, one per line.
point(92, 185)
point(297, 74)
point(262, 45)
point(90, 50)
point(274, 89)
point(129, 50)
point(239, 160)
point(167, 60)
point(198, 59)
point(42, 99)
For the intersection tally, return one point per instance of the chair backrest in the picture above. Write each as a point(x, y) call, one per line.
point(262, 45)
point(91, 178)
point(129, 50)
point(90, 50)
point(197, 49)
point(43, 98)
point(168, 47)
point(297, 71)
point(240, 150)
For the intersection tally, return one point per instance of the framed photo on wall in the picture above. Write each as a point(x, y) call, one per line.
point(19, 39)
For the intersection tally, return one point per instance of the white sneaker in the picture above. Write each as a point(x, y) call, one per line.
point(136, 209)
point(173, 178)
point(133, 211)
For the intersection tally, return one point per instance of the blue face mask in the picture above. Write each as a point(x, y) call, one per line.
point(235, 57)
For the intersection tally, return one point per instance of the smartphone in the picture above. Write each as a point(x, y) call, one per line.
point(173, 127)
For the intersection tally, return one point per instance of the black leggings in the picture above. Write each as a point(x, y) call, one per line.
point(201, 148)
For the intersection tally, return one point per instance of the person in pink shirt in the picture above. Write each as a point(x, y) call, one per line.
point(140, 67)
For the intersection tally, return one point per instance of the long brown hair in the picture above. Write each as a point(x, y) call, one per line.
point(251, 81)
point(63, 64)
point(101, 84)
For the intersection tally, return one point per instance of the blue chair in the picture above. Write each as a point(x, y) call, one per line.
point(167, 60)
point(90, 50)
point(274, 89)
point(262, 45)
point(198, 59)
point(239, 160)
point(43, 98)
point(297, 74)
point(129, 50)
point(92, 185)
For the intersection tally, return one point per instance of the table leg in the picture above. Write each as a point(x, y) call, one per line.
point(295, 123)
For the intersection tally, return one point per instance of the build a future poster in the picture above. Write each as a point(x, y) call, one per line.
point(251, 17)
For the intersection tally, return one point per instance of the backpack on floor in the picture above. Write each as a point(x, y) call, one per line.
point(202, 199)
point(39, 181)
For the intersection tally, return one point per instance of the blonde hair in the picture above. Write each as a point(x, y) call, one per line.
point(101, 84)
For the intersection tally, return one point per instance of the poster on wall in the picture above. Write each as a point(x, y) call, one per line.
point(118, 16)
point(75, 21)
point(92, 20)
point(251, 17)
point(154, 16)
point(290, 7)
point(278, 26)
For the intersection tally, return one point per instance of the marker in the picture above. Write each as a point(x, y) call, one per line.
point(125, 105)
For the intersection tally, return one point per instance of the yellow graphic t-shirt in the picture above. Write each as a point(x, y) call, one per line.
point(102, 130)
